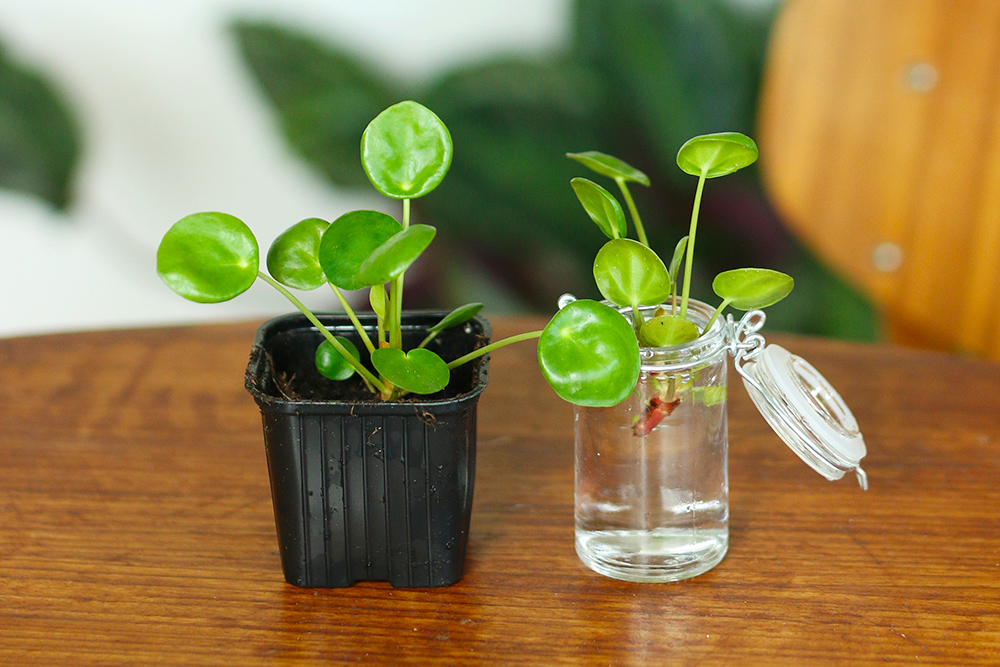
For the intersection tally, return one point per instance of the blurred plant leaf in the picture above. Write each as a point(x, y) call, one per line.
point(39, 140)
point(683, 67)
point(511, 121)
point(833, 308)
point(639, 79)
point(324, 98)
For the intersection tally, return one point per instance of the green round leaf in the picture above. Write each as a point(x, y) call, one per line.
point(746, 289)
point(667, 330)
point(601, 206)
point(589, 354)
point(378, 298)
point(713, 155)
point(457, 316)
point(630, 274)
point(608, 165)
point(208, 257)
point(349, 241)
point(331, 363)
point(419, 371)
point(397, 253)
point(406, 151)
point(293, 259)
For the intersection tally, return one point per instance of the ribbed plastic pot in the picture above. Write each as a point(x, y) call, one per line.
point(368, 490)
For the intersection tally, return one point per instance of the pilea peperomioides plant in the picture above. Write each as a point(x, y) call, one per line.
point(631, 276)
point(405, 151)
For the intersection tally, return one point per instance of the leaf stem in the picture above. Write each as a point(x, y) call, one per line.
point(492, 346)
point(637, 320)
point(354, 318)
point(715, 315)
point(358, 366)
point(396, 300)
point(639, 230)
point(431, 336)
point(690, 245)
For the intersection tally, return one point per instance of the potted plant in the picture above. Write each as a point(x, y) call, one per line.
point(369, 421)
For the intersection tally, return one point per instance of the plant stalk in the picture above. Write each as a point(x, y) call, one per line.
point(637, 319)
point(690, 246)
point(396, 298)
point(394, 316)
point(715, 315)
point(475, 354)
point(357, 365)
point(431, 336)
point(354, 318)
point(639, 230)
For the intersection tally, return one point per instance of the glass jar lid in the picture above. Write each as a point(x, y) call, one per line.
point(805, 411)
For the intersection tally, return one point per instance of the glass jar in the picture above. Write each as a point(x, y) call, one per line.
point(652, 484)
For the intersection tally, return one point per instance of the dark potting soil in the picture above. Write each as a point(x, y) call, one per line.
point(290, 356)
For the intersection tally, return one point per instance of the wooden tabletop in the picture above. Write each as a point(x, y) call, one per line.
point(136, 526)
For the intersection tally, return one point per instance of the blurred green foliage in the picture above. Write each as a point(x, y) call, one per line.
point(638, 79)
point(324, 98)
point(39, 142)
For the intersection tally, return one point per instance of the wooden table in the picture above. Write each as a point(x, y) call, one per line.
point(136, 526)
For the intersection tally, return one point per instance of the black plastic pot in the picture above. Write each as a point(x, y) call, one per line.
point(366, 490)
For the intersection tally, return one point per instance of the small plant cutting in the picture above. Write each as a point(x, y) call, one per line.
point(405, 151)
point(651, 500)
point(632, 277)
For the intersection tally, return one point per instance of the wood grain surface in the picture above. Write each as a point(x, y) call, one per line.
point(136, 526)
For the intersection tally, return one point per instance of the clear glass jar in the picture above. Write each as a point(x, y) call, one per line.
point(652, 484)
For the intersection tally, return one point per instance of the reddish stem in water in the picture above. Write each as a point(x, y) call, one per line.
point(655, 411)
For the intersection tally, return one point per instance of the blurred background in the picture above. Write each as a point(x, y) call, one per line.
point(119, 117)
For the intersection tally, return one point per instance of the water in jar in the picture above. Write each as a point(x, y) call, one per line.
point(652, 490)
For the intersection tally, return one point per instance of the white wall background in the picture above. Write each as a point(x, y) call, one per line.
point(172, 124)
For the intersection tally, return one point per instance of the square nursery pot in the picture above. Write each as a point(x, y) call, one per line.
point(366, 490)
